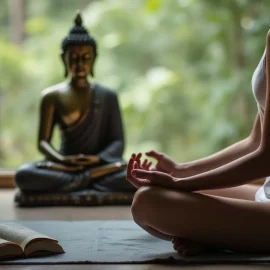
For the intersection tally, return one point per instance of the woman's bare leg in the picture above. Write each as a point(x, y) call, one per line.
point(245, 192)
point(235, 224)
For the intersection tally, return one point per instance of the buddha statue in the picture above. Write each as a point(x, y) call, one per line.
point(89, 119)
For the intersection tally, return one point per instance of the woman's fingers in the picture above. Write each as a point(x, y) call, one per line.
point(153, 154)
point(144, 163)
point(148, 165)
point(154, 177)
point(138, 159)
point(129, 175)
point(138, 174)
point(135, 181)
point(130, 167)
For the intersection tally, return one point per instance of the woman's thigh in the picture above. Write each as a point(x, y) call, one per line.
point(245, 192)
point(222, 222)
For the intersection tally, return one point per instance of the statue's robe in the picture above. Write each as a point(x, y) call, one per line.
point(99, 132)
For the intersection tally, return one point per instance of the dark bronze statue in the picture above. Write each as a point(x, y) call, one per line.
point(88, 115)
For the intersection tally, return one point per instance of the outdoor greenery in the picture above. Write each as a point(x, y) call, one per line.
point(182, 70)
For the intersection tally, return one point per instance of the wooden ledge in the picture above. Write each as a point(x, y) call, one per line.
point(7, 179)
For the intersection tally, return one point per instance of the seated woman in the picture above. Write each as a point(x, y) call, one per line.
point(208, 203)
point(88, 115)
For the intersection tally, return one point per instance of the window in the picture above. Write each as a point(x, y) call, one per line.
point(174, 64)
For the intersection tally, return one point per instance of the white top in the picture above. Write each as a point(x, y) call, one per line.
point(259, 90)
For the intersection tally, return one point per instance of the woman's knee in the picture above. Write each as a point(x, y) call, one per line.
point(147, 201)
point(141, 201)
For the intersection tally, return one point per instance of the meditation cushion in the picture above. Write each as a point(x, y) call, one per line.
point(75, 198)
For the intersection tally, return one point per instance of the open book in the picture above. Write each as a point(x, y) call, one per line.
point(17, 241)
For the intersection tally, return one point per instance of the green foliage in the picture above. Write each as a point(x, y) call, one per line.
point(182, 70)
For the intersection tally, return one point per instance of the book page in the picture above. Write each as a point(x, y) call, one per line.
point(42, 247)
point(17, 233)
point(9, 249)
point(3, 242)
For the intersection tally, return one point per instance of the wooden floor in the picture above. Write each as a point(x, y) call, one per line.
point(9, 211)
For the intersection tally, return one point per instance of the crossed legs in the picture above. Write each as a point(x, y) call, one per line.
point(226, 219)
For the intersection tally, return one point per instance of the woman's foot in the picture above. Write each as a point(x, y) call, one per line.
point(188, 247)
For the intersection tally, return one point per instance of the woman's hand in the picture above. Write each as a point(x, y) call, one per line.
point(138, 174)
point(167, 165)
point(134, 163)
point(164, 163)
point(145, 165)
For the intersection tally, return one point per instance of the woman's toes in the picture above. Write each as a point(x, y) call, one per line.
point(187, 247)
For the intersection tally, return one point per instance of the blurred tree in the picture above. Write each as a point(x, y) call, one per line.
point(17, 15)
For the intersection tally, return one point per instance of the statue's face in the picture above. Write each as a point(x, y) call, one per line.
point(79, 60)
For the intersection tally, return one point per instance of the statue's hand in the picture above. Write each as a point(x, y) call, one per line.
point(81, 159)
point(70, 160)
point(57, 166)
point(87, 159)
point(44, 164)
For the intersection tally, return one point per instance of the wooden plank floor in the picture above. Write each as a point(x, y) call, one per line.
point(9, 211)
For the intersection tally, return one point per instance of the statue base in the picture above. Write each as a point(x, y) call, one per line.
point(75, 198)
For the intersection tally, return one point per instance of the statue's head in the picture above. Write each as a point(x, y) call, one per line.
point(79, 51)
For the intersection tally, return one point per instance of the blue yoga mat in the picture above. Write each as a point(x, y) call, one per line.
point(89, 242)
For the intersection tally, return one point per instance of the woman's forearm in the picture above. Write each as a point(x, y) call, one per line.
point(229, 154)
point(238, 172)
point(220, 158)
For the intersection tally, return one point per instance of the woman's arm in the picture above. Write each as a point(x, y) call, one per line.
point(243, 170)
point(225, 156)
point(240, 171)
